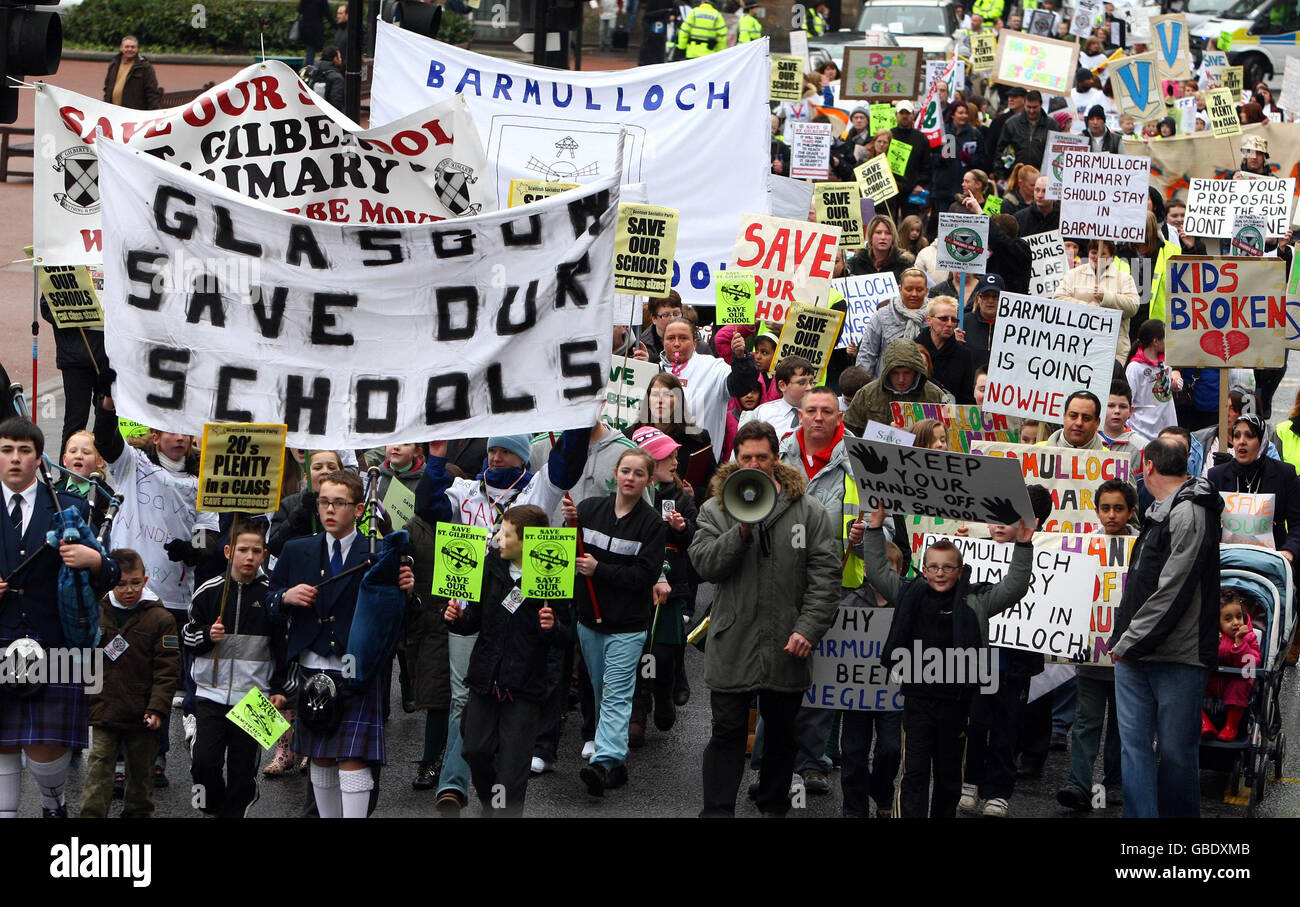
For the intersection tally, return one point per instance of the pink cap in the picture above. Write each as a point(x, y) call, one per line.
point(654, 442)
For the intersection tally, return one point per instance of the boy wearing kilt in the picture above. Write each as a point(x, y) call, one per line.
point(320, 621)
point(47, 724)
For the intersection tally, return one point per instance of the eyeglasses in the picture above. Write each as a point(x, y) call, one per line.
point(335, 505)
point(667, 316)
point(948, 318)
point(941, 568)
point(131, 584)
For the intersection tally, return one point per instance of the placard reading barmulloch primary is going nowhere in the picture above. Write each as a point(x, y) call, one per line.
point(645, 243)
point(1104, 196)
point(1225, 312)
point(915, 480)
point(847, 669)
point(1045, 349)
point(239, 467)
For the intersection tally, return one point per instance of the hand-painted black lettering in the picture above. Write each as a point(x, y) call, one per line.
point(451, 302)
point(159, 356)
point(322, 319)
point(142, 266)
point(500, 402)
point(434, 411)
point(303, 241)
point(531, 238)
point(453, 243)
point(566, 286)
point(585, 213)
point(226, 239)
point(366, 422)
point(270, 324)
point(222, 412)
point(593, 371)
point(505, 326)
point(205, 296)
point(317, 403)
point(185, 222)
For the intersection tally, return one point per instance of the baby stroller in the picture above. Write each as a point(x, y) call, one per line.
point(1265, 577)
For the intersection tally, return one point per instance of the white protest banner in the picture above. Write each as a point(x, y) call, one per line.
point(263, 134)
point(1225, 312)
point(1171, 37)
point(1071, 475)
point(1057, 144)
point(219, 308)
point(1248, 518)
point(792, 262)
point(629, 381)
point(939, 70)
point(1137, 87)
point(1110, 555)
point(863, 295)
point(1104, 196)
point(1087, 15)
point(810, 150)
point(918, 481)
point(874, 431)
point(1213, 203)
point(1045, 349)
point(1035, 63)
point(554, 124)
point(847, 669)
point(965, 423)
point(837, 203)
point(1053, 616)
point(1047, 263)
point(963, 242)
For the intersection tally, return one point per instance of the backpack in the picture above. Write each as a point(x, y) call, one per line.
point(315, 79)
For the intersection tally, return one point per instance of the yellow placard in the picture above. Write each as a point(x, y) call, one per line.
point(523, 192)
point(992, 206)
point(69, 291)
point(875, 180)
point(240, 466)
point(882, 116)
point(838, 204)
point(734, 295)
point(983, 51)
point(787, 78)
point(1233, 79)
point(645, 242)
point(809, 332)
point(899, 154)
point(399, 504)
point(1222, 108)
point(459, 553)
point(550, 562)
point(258, 718)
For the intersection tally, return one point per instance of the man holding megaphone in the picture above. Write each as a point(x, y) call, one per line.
point(775, 556)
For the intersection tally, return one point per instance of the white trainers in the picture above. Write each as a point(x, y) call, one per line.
point(970, 798)
point(540, 766)
point(178, 700)
point(191, 725)
point(588, 750)
point(996, 808)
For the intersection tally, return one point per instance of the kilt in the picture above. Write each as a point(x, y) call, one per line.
point(360, 735)
point(59, 716)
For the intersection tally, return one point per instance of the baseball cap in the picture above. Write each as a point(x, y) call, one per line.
point(654, 442)
point(905, 107)
point(990, 282)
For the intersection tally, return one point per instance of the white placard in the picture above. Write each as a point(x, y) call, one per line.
point(938, 69)
point(863, 295)
point(799, 46)
point(1087, 15)
point(1057, 144)
point(1104, 196)
point(1048, 263)
point(1248, 519)
point(847, 669)
point(963, 242)
point(792, 260)
point(1212, 204)
point(874, 431)
point(629, 381)
point(810, 150)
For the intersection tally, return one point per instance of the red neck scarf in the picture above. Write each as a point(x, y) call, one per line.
point(816, 461)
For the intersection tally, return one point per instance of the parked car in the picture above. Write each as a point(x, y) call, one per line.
point(928, 24)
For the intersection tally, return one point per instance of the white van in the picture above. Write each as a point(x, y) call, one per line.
point(1261, 35)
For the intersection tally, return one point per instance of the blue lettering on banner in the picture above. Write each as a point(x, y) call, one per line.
point(654, 97)
point(680, 103)
point(619, 105)
point(701, 276)
point(503, 86)
point(555, 94)
point(435, 74)
point(533, 90)
point(470, 75)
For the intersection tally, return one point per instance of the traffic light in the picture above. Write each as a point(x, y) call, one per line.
point(31, 43)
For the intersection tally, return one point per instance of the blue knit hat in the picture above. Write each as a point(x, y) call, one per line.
point(516, 444)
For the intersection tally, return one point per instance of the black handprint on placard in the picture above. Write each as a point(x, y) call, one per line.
point(1002, 511)
point(872, 463)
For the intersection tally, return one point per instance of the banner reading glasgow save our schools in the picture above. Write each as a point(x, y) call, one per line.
point(264, 134)
point(698, 131)
point(219, 308)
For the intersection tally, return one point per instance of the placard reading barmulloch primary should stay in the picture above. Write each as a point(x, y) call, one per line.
point(645, 242)
point(239, 467)
point(1104, 196)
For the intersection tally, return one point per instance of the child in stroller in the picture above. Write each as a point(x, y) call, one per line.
point(1238, 648)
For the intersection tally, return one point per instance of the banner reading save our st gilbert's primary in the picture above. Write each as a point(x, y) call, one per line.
point(263, 134)
point(352, 336)
point(697, 131)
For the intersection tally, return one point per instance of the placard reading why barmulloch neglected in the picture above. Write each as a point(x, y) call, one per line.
point(847, 669)
point(549, 561)
point(1104, 196)
point(644, 245)
point(915, 480)
point(239, 467)
point(458, 567)
point(1044, 350)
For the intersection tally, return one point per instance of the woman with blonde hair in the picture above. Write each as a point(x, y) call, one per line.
point(881, 253)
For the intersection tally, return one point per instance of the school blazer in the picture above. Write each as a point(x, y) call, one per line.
point(323, 628)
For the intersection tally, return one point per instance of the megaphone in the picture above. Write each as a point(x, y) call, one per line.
point(749, 495)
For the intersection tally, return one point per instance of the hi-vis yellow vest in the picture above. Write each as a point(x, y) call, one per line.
point(853, 573)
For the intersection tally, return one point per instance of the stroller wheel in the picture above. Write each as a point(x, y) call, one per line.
point(1257, 785)
point(1279, 755)
point(1234, 777)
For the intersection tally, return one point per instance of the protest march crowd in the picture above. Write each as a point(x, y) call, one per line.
point(983, 347)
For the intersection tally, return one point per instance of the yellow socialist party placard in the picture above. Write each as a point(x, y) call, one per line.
point(240, 467)
point(645, 242)
point(523, 192)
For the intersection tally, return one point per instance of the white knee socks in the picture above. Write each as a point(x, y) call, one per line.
point(356, 785)
point(51, 778)
point(11, 776)
point(325, 783)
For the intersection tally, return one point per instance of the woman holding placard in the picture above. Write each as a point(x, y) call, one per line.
point(1101, 282)
point(1252, 471)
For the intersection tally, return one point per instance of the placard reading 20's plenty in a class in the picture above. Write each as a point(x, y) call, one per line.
point(240, 466)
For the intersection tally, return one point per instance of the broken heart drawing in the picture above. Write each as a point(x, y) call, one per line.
point(1224, 346)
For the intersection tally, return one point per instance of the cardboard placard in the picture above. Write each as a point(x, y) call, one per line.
point(1212, 204)
point(1045, 349)
point(1035, 62)
point(645, 243)
point(734, 303)
point(1136, 83)
point(992, 206)
point(550, 561)
point(882, 116)
point(809, 332)
point(848, 671)
point(258, 718)
point(1225, 312)
point(1248, 518)
point(899, 154)
point(1170, 40)
point(1249, 230)
point(1233, 79)
point(629, 382)
point(983, 51)
point(398, 504)
point(1087, 15)
point(1290, 96)
point(837, 203)
point(1221, 105)
point(863, 294)
point(792, 262)
point(799, 46)
point(810, 150)
point(786, 78)
point(940, 71)
point(874, 431)
point(963, 242)
point(525, 192)
point(875, 179)
point(458, 565)
point(881, 73)
point(1057, 144)
point(69, 291)
point(1104, 196)
point(913, 480)
point(1070, 475)
point(1048, 263)
point(240, 466)
point(964, 423)
point(1110, 555)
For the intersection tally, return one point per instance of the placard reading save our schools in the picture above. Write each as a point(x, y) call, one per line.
point(263, 134)
point(1053, 616)
point(1069, 474)
point(644, 246)
point(239, 468)
point(809, 332)
point(1225, 312)
point(1104, 196)
point(1046, 349)
point(863, 294)
point(792, 261)
point(69, 291)
point(1213, 203)
point(551, 124)
point(915, 480)
point(847, 669)
point(549, 561)
point(837, 203)
point(353, 336)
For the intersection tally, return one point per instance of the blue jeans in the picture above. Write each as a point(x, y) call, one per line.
point(612, 660)
point(455, 770)
point(1160, 701)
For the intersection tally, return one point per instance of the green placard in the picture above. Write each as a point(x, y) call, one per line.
point(992, 206)
point(734, 292)
point(549, 562)
point(258, 718)
point(459, 552)
point(899, 154)
point(131, 429)
point(882, 116)
point(399, 503)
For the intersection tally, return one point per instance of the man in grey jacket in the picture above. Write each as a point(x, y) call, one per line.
point(778, 588)
point(1166, 637)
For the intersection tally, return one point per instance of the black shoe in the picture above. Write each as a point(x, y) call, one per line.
point(408, 704)
point(1075, 798)
point(425, 779)
point(814, 782)
point(681, 690)
point(60, 812)
point(753, 791)
point(1030, 768)
point(616, 777)
point(596, 779)
point(160, 776)
point(1058, 742)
